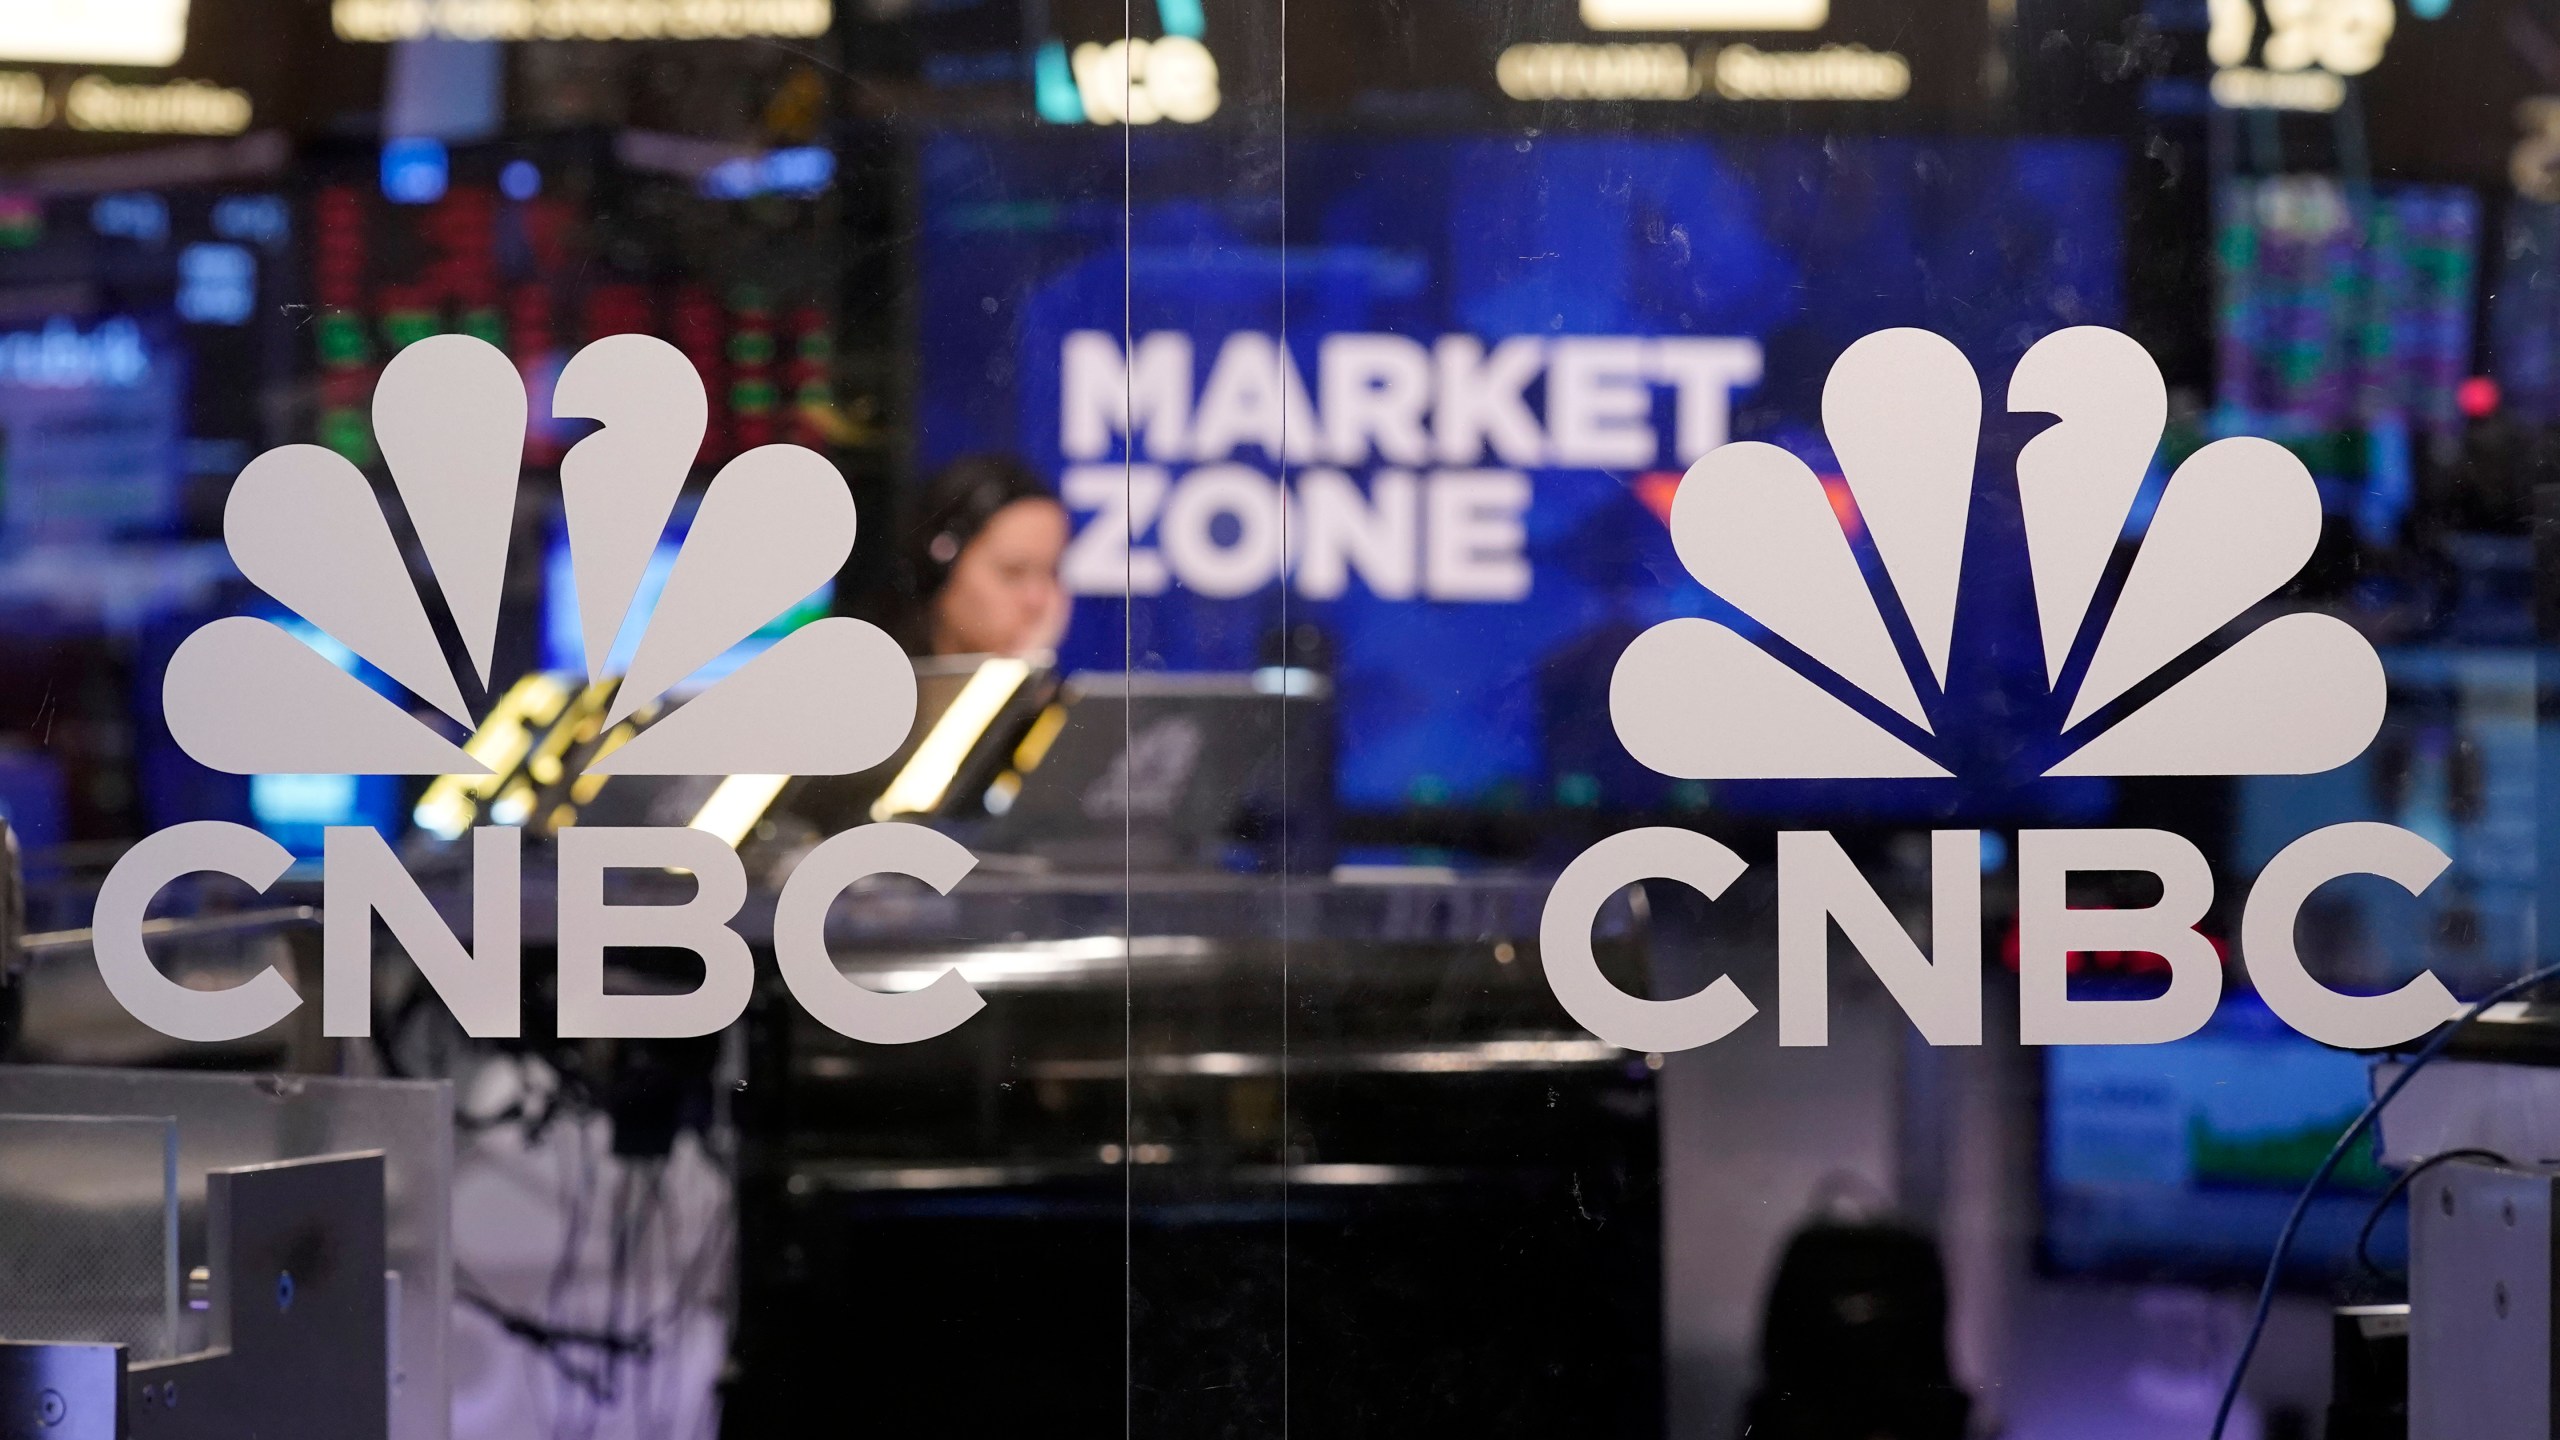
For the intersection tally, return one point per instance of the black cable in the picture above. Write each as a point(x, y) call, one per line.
point(636, 1199)
point(2329, 1164)
point(13, 1008)
point(652, 1280)
point(579, 1181)
point(545, 1336)
point(557, 1345)
point(2400, 1186)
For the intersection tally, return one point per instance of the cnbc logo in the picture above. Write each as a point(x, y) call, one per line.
point(244, 696)
point(1818, 685)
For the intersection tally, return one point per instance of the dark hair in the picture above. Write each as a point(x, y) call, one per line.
point(954, 506)
point(940, 521)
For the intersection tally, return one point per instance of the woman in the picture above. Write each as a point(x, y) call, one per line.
point(983, 555)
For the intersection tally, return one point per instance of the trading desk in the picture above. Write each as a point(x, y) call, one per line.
point(1198, 1157)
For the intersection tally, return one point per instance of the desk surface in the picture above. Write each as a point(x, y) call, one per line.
point(996, 905)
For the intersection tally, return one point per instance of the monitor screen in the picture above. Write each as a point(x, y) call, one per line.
point(564, 648)
point(92, 428)
point(145, 338)
point(2180, 1161)
point(2340, 307)
point(1479, 439)
point(2464, 745)
point(298, 810)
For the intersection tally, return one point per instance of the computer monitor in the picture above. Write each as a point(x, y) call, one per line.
point(1177, 772)
point(2180, 1161)
point(563, 645)
point(298, 810)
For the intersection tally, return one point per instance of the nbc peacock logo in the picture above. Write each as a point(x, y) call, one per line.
point(1813, 680)
point(302, 523)
point(244, 695)
point(1902, 409)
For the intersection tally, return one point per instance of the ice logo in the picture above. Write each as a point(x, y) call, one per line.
point(302, 523)
point(1696, 699)
point(1831, 697)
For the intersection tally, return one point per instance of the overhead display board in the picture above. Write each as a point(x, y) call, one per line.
point(1558, 64)
point(94, 32)
point(1738, 55)
point(79, 76)
point(2429, 90)
point(389, 20)
point(1705, 14)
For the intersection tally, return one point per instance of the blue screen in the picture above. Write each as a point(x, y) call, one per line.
point(563, 639)
point(2182, 1159)
point(297, 810)
point(1477, 577)
point(92, 423)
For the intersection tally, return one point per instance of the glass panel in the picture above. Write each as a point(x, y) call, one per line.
point(224, 1121)
point(89, 1230)
point(1217, 1181)
point(1696, 717)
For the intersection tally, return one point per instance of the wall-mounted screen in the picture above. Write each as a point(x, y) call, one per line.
point(2181, 1160)
point(1500, 356)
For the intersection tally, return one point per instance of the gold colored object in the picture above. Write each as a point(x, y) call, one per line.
point(507, 735)
point(736, 806)
point(926, 778)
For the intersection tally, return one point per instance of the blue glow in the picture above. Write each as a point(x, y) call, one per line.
point(1182, 17)
point(302, 799)
point(62, 356)
point(803, 170)
point(255, 219)
point(1995, 852)
point(217, 284)
point(138, 215)
point(2390, 481)
point(520, 180)
point(2146, 500)
point(331, 648)
point(1053, 85)
point(564, 635)
point(414, 171)
point(297, 810)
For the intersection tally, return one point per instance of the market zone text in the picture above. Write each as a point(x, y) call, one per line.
point(1446, 432)
point(1818, 887)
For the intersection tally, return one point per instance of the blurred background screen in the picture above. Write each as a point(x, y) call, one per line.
point(2180, 1161)
point(1601, 246)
